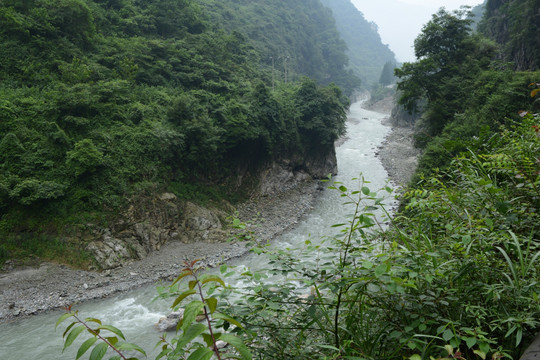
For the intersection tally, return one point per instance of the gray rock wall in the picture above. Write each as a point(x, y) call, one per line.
point(148, 224)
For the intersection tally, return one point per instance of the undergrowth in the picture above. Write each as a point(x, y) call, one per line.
point(455, 276)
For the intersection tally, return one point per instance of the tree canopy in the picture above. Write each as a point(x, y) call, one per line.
point(102, 98)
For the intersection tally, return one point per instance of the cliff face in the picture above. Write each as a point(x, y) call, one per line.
point(282, 175)
point(149, 223)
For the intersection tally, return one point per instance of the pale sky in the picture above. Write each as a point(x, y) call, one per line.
point(400, 21)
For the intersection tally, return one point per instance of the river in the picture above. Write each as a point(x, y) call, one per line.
point(135, 313)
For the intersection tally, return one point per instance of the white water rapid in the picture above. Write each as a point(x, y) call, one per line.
point(134, 313)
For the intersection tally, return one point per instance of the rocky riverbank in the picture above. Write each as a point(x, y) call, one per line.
point(397, 152)
point(33, 290)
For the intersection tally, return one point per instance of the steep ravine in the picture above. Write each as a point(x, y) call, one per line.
point(33, 290)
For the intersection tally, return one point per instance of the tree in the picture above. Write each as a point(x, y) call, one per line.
point(442, 51)
point(387, 74)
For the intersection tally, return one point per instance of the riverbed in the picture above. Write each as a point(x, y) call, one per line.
point(307, 212)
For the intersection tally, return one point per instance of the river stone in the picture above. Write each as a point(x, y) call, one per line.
point(167, 197)
point(109, 253)
point(169, 322)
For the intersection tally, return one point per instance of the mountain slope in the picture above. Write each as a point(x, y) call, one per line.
point(367, 54)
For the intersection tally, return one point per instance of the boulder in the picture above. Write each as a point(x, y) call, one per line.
point(169, 322)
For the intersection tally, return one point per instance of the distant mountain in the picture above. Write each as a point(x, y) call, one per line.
point(477, 14)
point(293, 38)
point(367, 54)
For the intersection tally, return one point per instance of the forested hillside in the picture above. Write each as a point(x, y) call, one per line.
point(515, 25)
point(367, 54)
point(104, 100)
point(475, 202)
point(456, 273)
point(293, 38)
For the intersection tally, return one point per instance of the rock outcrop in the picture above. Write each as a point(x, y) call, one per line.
point(286, 174)
point(151, 222)
point(146, 226)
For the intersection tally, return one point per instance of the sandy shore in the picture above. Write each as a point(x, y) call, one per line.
point(33, 290)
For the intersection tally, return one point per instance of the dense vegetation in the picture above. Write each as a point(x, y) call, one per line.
point(105, 100)
point(454, 277)
point(515, 25)
point(293, 38)
point(118, 109)
point(462, 89)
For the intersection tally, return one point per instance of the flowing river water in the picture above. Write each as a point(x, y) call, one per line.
point(135, 313)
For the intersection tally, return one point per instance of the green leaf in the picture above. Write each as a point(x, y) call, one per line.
point(238, 344)
point(93, 320)
point(327, 347)
point(367, 264)
point(130, 346)
point(201, 354)
point(73, 335)
point(365, 190)
point(192, 284)
point(190, 313)
point(342, 188)
point(380, 270)
point(112, 340)
point(470, 341)
point(221, 316)
point(484, 347)
point(113, 330)
point(163, 353)
point(449, 349)
point(69, 328)
point(480, 353)
point(182, 275)
point(519, 335)
point(85, 346)
point(182, 296)
point(447, 334)
point(192, 332)
point(212, 304)
point(209, 278)
point(62, 318)
point(415, 357)
point(99, 351)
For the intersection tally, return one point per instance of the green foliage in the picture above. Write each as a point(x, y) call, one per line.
point(101, 98)
point(462, 93)
point(514, 25)
point(454, 276)
point(387, 74)
point(294, 39)
point(195, 340)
